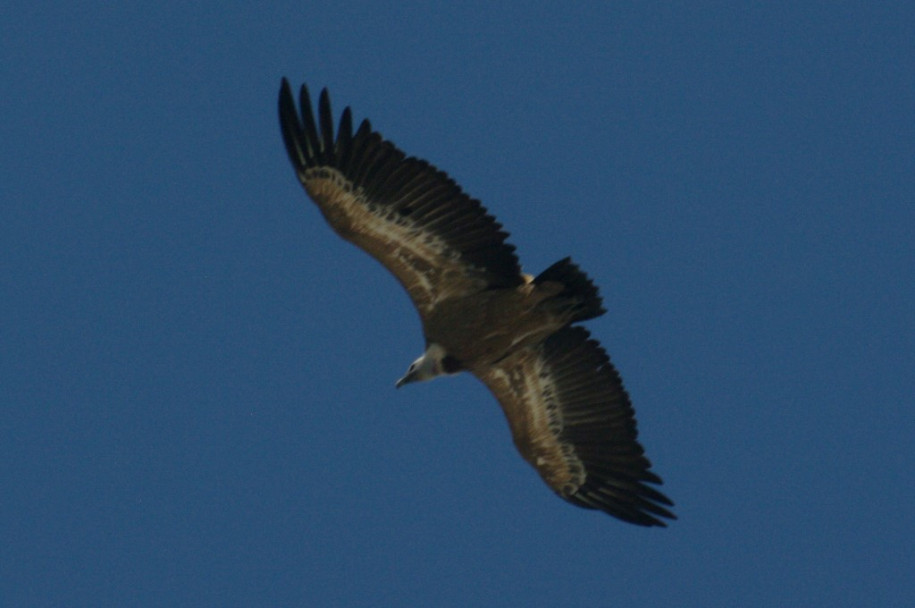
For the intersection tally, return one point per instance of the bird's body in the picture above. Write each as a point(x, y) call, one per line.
point(569, 415)
point(500, 319)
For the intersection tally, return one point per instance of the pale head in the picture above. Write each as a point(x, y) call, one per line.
point(428, 366)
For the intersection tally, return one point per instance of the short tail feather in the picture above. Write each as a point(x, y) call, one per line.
point(578, 286)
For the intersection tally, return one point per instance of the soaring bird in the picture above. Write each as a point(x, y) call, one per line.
point(568, 412)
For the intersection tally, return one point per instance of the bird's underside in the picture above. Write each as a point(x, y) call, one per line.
point(568, 412)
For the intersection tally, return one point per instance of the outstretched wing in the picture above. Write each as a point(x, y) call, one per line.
point(571, 419)
point(411, 217)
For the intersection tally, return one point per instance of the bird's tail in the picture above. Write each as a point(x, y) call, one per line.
point(579, 288)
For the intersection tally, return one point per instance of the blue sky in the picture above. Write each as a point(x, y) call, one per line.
point(196, 374)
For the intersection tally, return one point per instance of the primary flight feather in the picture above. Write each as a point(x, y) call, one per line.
point(564, 401)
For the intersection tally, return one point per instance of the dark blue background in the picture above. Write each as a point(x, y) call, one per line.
point(196, 374)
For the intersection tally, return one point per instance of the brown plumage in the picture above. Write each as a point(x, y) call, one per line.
point(569, 415)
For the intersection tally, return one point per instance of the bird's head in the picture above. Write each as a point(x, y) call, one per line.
point(434, 362)
point(424, 368)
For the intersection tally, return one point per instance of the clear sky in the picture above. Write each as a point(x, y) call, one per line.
point(197, 402)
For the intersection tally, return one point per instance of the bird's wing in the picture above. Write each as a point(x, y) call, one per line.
point(411, 217)
point(571, 419)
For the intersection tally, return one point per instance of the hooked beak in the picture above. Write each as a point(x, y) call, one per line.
point(409, 377)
